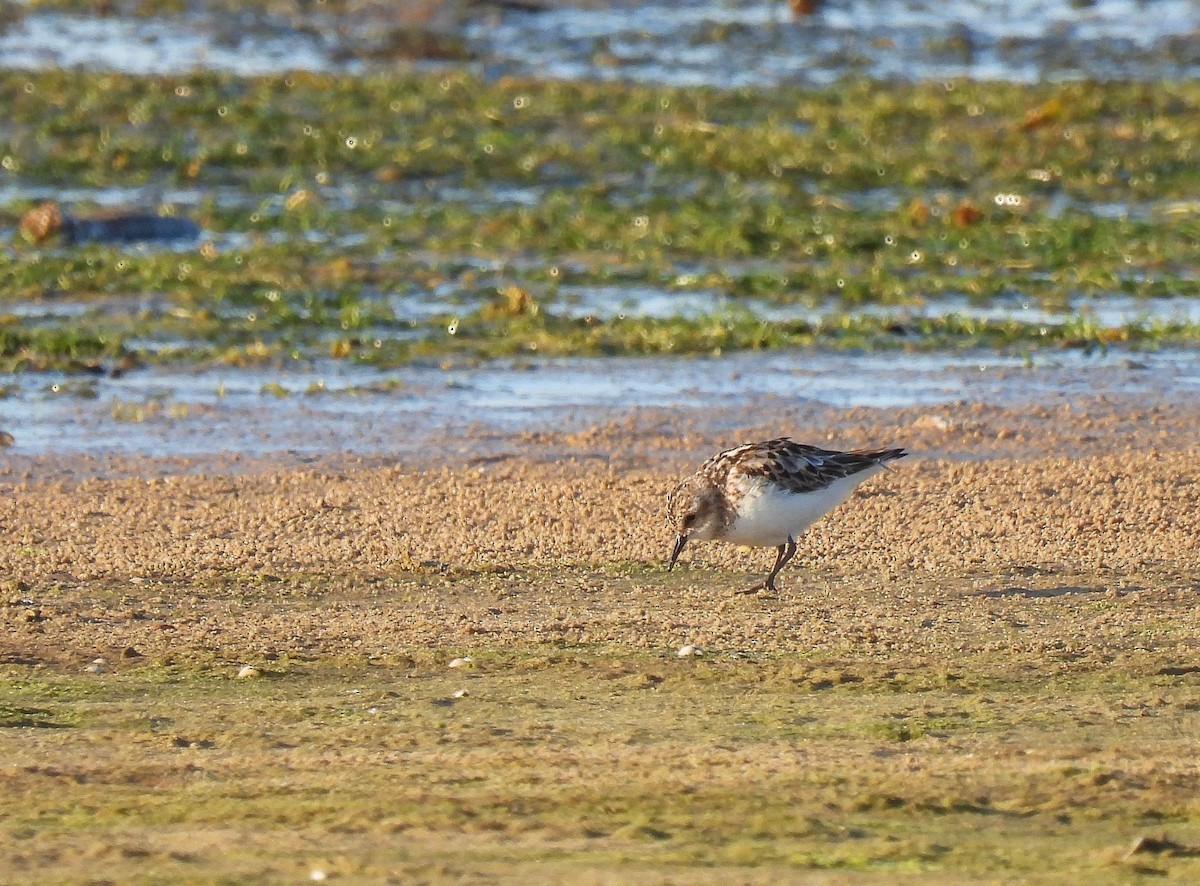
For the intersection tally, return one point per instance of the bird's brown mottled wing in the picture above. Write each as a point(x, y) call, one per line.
point(797, 467)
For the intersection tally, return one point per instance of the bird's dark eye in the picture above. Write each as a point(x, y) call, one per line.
point(689, 519)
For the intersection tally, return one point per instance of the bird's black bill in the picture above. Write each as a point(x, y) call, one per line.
point(680, 541)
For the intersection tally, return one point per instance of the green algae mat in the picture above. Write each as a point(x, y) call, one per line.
point(411, 729)
point(404, 217)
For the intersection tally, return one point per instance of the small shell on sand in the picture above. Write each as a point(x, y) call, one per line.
point(688, 650)
point(248, 672)
point(463, 662)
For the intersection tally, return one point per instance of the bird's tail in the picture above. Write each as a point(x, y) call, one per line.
point(882, 456)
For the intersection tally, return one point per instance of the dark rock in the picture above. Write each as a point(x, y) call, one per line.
point(47, 221)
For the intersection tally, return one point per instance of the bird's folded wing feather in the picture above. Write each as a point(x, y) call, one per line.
point(797, 467)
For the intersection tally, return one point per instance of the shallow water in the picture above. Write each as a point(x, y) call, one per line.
point(154, 46)
point(703, 42)
point(745, 43)
point(1106, 310)
point(334, 408)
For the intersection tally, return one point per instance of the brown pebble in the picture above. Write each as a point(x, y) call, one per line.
point(41, 223)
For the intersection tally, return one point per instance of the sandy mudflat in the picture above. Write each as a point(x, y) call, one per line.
point(983, 669)
point(1086, 498)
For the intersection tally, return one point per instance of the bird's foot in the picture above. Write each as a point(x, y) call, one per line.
point(765, 588)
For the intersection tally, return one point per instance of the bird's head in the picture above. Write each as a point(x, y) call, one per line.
point(695, 509)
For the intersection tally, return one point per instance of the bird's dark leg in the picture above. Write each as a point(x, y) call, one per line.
point(784, 553)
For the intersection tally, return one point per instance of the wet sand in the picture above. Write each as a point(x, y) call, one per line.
point(1096, 497)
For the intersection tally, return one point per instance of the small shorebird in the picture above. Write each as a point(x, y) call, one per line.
point(765, 494)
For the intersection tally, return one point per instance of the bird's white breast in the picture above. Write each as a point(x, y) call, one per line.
point(768, 513)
